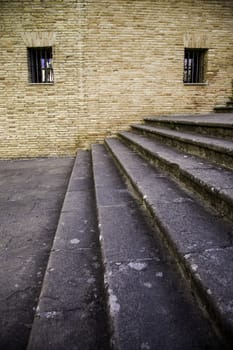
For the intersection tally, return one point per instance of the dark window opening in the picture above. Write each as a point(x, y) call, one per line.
point(194, 66)
point(40, 65)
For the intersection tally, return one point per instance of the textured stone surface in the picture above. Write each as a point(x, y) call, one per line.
point(31, 196)
point(211, 181)
point(192, 232)
point(217, 150)
point(209, 265)
point(220, 125)
point(71, 308)
point(212, 143)
point(148, 304)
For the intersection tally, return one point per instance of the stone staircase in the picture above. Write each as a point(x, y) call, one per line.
point(143, 253)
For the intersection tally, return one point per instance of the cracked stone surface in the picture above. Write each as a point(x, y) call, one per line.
point(209, 266)
point(201, 174)
point(31, 196)
point(190, 229)
point(198, 139)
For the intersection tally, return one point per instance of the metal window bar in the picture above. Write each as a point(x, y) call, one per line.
point(45, 66)
point(189, 67)
point(31, 73)
point(186, 67)
point(197, 77)
point(201, 65)
point(40, 51)
point(37, 66)
point(193, 67)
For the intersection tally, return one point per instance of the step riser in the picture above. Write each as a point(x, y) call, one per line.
point(206, 303)
point(217, 157)
point(217, 201)
point(228, 109)
point(218, 131)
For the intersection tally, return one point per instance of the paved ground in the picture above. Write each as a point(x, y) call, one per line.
point(31, 196)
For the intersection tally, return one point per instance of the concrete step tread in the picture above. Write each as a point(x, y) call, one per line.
point(212, 120)
point(200, 241)
point(149, 307)
point(217, 180)
point(71, 309)
point(220, 145)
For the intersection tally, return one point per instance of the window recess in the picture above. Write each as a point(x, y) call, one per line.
point(40, 65)
point(194, 66)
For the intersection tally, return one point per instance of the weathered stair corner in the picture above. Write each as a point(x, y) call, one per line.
point(227, 108)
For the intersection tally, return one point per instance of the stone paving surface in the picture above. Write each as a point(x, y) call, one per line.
point(31, 196)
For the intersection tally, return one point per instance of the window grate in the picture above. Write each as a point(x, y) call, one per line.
point(194, 66)
point(40, 65)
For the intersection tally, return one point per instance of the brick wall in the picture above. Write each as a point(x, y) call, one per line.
point(115, 62)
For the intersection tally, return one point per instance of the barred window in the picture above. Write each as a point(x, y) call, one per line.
point(194, 66)
point(40, 65)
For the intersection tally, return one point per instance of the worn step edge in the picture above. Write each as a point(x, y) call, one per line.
point(110, 297)
point(206, 302)
point(217, 200)
point(218, 154)
point(65, 210)
point(214, 129)
point(191, 119)
point(212, 143)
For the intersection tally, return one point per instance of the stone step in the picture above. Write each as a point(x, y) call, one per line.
point(214, 149)
point(71, 311)
point(149, 306)
point(230, 103)
point(212, 183)
point(200, 242)
point(223, 109)
point(210, 125)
